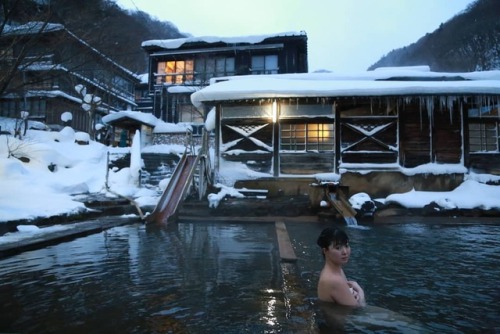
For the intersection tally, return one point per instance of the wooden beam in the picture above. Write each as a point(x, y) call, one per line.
point(287, 254)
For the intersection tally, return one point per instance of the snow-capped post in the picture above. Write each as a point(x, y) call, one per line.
point(135, 158)
point(90, 102)
point(66, 118)
point(23, 120)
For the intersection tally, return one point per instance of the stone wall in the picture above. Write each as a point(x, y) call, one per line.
point(382, 184)
point(375, 184)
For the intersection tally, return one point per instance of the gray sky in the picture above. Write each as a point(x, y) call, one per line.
point(343, 35)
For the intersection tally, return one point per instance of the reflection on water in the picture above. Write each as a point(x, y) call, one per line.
point(227, 278)
point(442, 276)
point(196, 278)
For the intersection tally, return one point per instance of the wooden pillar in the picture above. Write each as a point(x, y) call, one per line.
point(276, 143)
point(337, 152)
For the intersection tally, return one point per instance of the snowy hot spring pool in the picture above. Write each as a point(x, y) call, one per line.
point(212, 277)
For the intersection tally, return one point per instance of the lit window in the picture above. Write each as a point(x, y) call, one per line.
point(175, 72)
point(307, 137)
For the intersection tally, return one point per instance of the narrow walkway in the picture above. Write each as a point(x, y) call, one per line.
point(73, 230)
point(298, 309)
point(287, 254)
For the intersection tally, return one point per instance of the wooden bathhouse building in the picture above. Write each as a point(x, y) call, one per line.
point(380, 132)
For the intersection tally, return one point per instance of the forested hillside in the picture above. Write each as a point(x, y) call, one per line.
point(470, 41)
point(101, 23)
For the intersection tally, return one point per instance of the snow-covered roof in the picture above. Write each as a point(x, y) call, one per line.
point(34, 27)
point(143, 78)
point(43, 27)
point(148, 119)
point(382, 82)
point(145, 118)
point(129, 99)
point(178, 42)
point(163, 127)
point(182, 89)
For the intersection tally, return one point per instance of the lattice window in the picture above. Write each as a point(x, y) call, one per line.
point(484, 137)
point(307, 137)
point(175, 72)
point(484, 128)
point(265, 64)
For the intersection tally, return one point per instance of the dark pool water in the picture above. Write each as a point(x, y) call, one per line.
point(188, 278)
point(446, 277)
point(208, 277)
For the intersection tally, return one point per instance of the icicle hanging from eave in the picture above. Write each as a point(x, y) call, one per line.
point(478, 101)
point(450, 104)
point(420, 111)
point(460, 102)
point(498, 106)
point(429, 104)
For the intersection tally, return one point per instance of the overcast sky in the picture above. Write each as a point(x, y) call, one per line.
point(343, 35)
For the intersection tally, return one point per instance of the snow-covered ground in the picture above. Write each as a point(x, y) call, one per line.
point(30, 190)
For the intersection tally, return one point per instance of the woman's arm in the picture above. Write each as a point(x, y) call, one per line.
point(341, 294)
point(358, 292)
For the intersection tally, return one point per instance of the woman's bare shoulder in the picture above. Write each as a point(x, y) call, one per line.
point(330, 279)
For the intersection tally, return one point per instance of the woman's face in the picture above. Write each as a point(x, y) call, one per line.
point(338, 254)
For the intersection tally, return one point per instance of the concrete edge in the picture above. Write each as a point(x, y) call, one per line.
point(77, 230)
point(287, 254)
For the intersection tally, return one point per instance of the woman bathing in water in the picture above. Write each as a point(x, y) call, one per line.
point(335, 292)
point(333, 285)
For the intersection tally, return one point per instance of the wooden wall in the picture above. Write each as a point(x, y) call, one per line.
point(392, 132)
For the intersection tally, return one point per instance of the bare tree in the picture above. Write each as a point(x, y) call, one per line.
point(11, 63)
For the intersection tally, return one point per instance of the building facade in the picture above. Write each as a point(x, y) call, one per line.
point(409, 124)
point(50, 62)
point(180, 67)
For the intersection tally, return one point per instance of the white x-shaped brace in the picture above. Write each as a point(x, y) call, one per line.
point(247, 131)
point(369, 135)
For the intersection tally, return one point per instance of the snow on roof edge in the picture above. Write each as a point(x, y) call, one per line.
point(145, 118)
point(251, 39)
point(33, 27)
point(370, 83)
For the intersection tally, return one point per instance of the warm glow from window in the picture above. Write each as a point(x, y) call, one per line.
point(318, 132)
point(177, 72)
point(307, 137)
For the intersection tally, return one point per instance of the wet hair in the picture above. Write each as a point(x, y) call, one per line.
point(332, 235)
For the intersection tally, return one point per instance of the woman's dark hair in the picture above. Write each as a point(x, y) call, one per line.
point(332, 235)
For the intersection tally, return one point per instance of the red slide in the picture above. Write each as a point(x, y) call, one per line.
point(176, 190)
